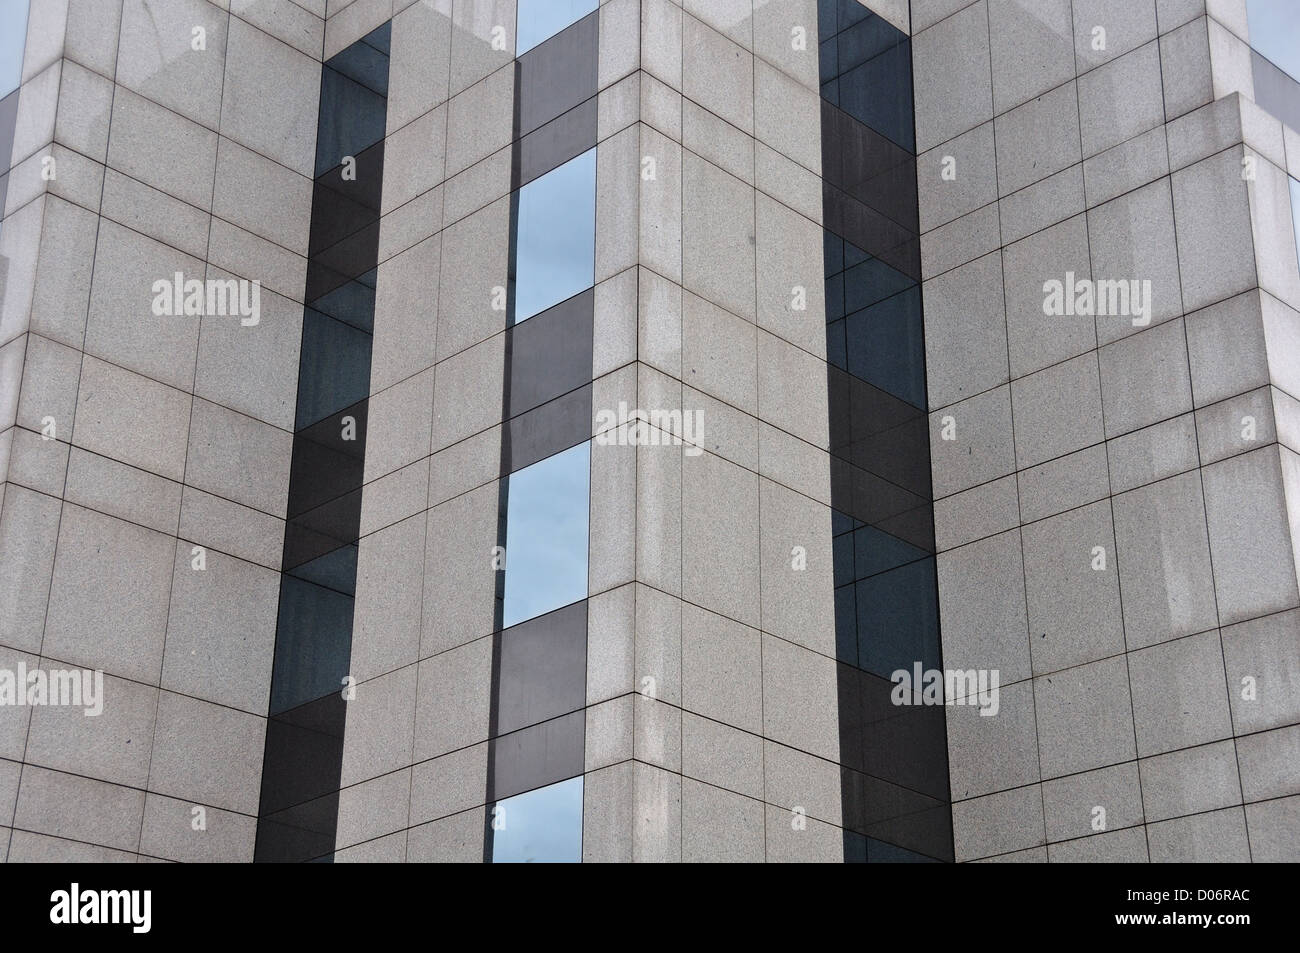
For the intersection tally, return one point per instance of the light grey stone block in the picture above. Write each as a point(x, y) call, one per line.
point(374, 809)
point(380, 726)
point(1179, 695)
point(1190, 781)
point(1038, 138)
point(157, 58)
point(1057, 410)
point(1126, 166)
point(283, 127)
point(1254, 569)
point(451, 710)
point(1036, 339)
point(982, 607)
point(459, 581)
point(1127, 25)
point(942, 200)
point(721, 755)
point(1274, 831)
point(215, 523)
point(1117, 847)
point(261, 196)
point(1216, 837)
point(1236, 425)
point(77, 808)
point(717, 74)
point(717, 237)
point(113, 746)
point(791, 676)
point(1031, 49)
point(1215, 248)
point(965, 305)
point(657, 832)
point(1265, 761)
point(386, 621)
point(419, 65)
point(982, 450)
point(1185, 65)
point(109, 594)
point(1153, 453)
point(473, 55)
point(1265, 650)
point(221, 631)
point(1164, 561)
point(720, 536)
point(1046, 202)
point(457, 839)
point(789, 263)
point(1145, 378)
point(981, 511)
point(1071, 802)
point(721, 669)
point(1063, 484)
point(719, 826)
point(998, 823)
point(609, 732)
point(1084, 718)
point(795, 779)
point(143, 138)
point(988, 754)
point(207, 753)
point(719, 353)
point(960, 95)
point(238, 458)
point(449, 784)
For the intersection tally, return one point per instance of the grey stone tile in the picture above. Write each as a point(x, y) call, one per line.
point(474, 261)
point(1057, 410)
point(1037, 340)
point(1174, 13)
point(419, 67)
point(1185, 63)
point(109, 594)
point(92, 34)
point(982, 607)
point(61, 292)
point(374, 808)
point(965, 304)
point(207, 753)
point(721, 669)
point(795, 779)
point(85, 100)
point(812, 842)
point(380, 727)
point(238, 458)
point(961, 240)
point(719, 353)
point(1126, 166)
point(1046, 202)
point(253, 369)
point(1153, 453)
point(796, 568)
point(399, 422)
point(657, 733)
point(773, 22)
point(414, 157)
point(1132, 238)
point(975, 184)
point(1179, 695)
point(620, 41)
point(451, 709)
point(121, 327)
point(473, 54)
point(959, 97)
point(721, 755)
point(792, 675)
point(282, 128)
point(1084, 718)
point(1216, 837)
point(718, 74)
point(1227, 349)
point(981, 511)
point(455, 839)
point(407, 312)
point(114, 746)
point(982, 449)
point(1031, 49)
point(1037, 138)
point(479, 120)
point(787, 116)
point(261, 196)
point(26, 848)
point(458, 576)
point(1074, 609)
point(14, 721)
point(1164, 561)
point(1254, 572)
point(467, 392)
point(720, 537)
point(609, 734)
point(614, 331)
point(143, 139)
point(156, 55)
point(221, 631)
point(157, 215)
point(1274, 831)
point(1121, 99)
point(1265, 761)
point(1215, 245)
point(77, 808)
point(1282, 332)
point(1190, 781)
point(719, 826)
point(1063, 484)
point(49, 374)
point(40, 464)
point(1071, 802)
point(784, 398)
point(998, 823)
point(450, 784)
point(789, 257)
point(386, 622)
point(290, 22)
point(1127, 26)
point(717, 237)
point(246, 255)
point(611, 644)
point(1145, 378)
point(988, 754)
point(1127, 846)
point(210, 521)
point(1264, 650)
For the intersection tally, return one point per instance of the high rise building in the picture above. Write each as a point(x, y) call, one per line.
point(649, 430)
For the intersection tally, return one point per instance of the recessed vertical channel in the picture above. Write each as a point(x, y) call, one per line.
point(303, 760)
point(894, 776)
point(539, 654)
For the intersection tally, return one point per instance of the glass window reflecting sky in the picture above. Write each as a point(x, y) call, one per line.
point(546, 535)
point(555, 249)
point(1275, 32)
point(541, 19)
point(541, 826)
point(13, 36)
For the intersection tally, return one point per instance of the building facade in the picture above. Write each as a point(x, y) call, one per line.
point(649, 430)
